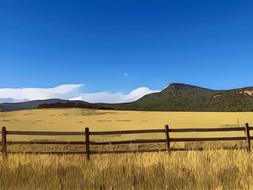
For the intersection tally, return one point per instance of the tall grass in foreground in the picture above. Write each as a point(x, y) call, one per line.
point(188, 170)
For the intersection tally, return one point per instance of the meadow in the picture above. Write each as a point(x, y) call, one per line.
point(219, 170)
point(103, 120)
point(211, 169)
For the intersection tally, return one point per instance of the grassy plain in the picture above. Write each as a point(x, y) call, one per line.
point(210, 170)
point(103, 120)
point(180, 170)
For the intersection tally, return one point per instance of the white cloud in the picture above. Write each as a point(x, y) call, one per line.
point(66, 91)
point(117, 97)
point(70, 92)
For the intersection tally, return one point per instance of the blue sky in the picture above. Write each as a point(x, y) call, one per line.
point(122, 45)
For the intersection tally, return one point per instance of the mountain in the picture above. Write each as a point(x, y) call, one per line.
point(51, 103)
point(176, 97)
point(184, 97)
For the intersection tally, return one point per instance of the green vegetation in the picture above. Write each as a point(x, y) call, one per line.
point(182, 97)
point(176, 97)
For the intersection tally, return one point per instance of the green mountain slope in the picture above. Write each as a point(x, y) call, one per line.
point(51, 103)
point(183, 97)
point(176, 97)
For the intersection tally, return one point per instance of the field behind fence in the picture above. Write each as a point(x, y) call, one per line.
point(87, 143)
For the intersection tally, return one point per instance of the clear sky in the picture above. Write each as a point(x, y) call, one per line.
point(122, 45)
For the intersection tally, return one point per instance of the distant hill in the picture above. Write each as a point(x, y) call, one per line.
point(184, 97)
point(51, 103)
point(176, 97)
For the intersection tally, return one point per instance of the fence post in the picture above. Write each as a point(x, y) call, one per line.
point(87, 143)
point(167, 131)
point(247, 133)
point(4, 143)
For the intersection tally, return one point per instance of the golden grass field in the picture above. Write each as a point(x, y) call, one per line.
point(103, 120)
point(209, 170)
point(179, 170)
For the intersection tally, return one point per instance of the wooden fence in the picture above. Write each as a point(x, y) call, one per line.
point(87, 143)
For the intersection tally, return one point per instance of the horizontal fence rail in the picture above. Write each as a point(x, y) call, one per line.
point(46, 142)
point(44, 133)
point(128, 132)
point(87, 143)
point(188, 130)
point(207, 139)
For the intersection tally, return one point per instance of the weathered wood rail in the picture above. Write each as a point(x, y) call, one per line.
point(87, 142)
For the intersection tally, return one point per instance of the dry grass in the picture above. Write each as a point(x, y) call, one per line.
point(192, 170)
point(102, 120)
